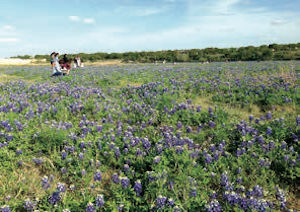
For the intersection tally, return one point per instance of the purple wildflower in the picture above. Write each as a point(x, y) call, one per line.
point(99, 200)
point(90, 207)
point(29, 205)
point(61, 187)
point(54, 198)
point(125, 182)
point(98, 176)
point(45, 183)
point(115, 178)
point(137, 188)
point(213, 206)
point(5, 208)
point(161, 201)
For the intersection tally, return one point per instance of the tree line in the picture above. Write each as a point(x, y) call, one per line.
point(249, 53)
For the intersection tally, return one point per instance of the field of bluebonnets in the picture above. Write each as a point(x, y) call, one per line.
point(185, 137)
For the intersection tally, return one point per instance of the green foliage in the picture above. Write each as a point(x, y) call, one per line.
point(249, 53)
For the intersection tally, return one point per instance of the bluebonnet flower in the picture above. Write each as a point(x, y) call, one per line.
point(213, 195)
point(170, 202)
point(63, 170)
point(66, 210)
point(5, 208)
point(117, 152)
point(97, 176)
point(225, 181)
point(257, 191)
point(19, 152)
point(125, 182)
point(171, 185)
point(45, 183)
point(82, 145)
point(115, 178)
point(161, 201)
point(298, 120)
point(159, 149)
point(269, 131)
point(90, 207)
point(231, 197)
point(269, 115)
point(212, 124)
point(38, 161)
point(293, 162)
point(213, 206)
point(120, 207)
point(138, 152)
point(198, 108)
point(251, 118)
point(63, 155)
point(208, 158)
point(126, 168)
point(146, 143)
point(61, 187)
point(29, 205)
point(199, 128)
point(81, 156)
point(189, 129)
point(156, 159)
point(179, 125)
point(83, 172)
point(99, 200)
point(176, 209)
point(280, 196)
point(98, 163)
point(137, 188)
point(54, 198)
point(193, 192)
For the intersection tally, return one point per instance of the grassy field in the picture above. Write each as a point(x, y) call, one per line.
point(145, 137)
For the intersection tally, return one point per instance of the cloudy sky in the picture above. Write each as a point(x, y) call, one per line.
point(72, 26)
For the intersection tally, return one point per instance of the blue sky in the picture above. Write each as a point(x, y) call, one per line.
point(72, 26)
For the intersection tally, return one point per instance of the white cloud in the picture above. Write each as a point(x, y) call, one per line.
point(82, 20)
point(8, 27)
point(74, 18)
point(278, 22)
point(147, 12)
point(9, 39)
point(139, 11)
point(88, 20)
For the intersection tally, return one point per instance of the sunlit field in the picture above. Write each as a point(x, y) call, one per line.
point(184, 137)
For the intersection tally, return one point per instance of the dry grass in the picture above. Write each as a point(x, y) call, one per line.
point(24, 182)
point(5, 77)
point(105, 62)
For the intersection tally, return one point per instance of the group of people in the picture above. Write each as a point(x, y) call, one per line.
point(63, 66)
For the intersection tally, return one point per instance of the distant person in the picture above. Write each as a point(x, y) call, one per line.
point(52, 58)
point(65, 58)
point(56, 69)
point(76, 61)
point(65, 65)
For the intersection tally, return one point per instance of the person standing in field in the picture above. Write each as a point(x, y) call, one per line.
point(56, 69)
point(52, 58)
